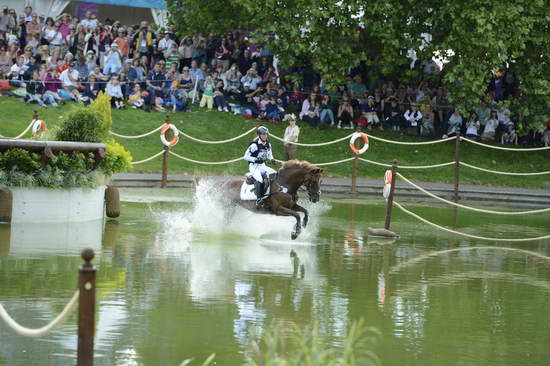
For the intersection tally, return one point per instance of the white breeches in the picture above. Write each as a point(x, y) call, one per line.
point(257, 169)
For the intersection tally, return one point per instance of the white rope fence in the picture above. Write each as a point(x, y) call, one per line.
point(137, 136)
point(313, 145)
point(500, 172)
point(220, 141)
point(39, 332)
point(466, 234)
point(148, 159)
point(411, 143)
point(205, 162)
point(469, 207)
point(408, 166)
point(503, 148)
point(22, 133)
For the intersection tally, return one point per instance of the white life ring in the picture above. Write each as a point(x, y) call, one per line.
point(164, 129)
point(38, 126)
point(388, 178)
point(354, 137)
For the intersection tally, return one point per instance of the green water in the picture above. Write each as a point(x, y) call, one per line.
point(175, 283)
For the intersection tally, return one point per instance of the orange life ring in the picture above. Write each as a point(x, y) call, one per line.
point(38, 126)
point(354, 137)
point(388, 178)
point(164, 129)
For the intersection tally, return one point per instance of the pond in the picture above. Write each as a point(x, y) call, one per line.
point(176, 282)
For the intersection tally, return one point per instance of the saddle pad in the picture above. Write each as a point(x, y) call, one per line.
point(247, 192)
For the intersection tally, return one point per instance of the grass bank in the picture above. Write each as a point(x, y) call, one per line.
point(214, 125)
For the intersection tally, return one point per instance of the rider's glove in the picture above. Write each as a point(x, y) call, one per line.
point(259, 161)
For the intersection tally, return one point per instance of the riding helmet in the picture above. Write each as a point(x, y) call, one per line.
point(262, 130)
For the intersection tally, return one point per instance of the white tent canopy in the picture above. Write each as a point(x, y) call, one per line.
point(127, 11)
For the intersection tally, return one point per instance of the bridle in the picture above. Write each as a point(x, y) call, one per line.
point(309, 183)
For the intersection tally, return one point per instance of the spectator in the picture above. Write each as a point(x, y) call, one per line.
point(325, 112)
point(136, 98)
point(427, 125)
point(491, 124)
point(35, 90)
point(113, 60)
point(208, 94)
point(90, 20)
point(369, 116)
point(185, 51)
point(472, 126)
point(292, 132)
point(114, 91)
point(454, 124)
point(345, 115)
point(414, 119)
point(69, 79)
point(392, 114)
point(143, 41)
point(155, 83)
point(510, 136)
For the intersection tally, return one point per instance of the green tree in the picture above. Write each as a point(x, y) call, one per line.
point(334, 35)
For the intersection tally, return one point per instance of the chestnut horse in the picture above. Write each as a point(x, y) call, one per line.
point(291, 176)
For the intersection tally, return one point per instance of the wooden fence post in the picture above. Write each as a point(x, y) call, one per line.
point(165, 159)
point(457, 165)
point(390, 198)
point(355, 167)
point(164, 167)
point(86, 310)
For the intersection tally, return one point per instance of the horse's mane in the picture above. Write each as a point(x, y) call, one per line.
point(299, 165)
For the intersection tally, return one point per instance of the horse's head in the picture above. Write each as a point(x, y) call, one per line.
point(313, 184)
point(295, 174)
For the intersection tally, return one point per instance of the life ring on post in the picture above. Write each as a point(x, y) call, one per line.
point(363, 137)
point(388, 178)
point(164, 129)
point(38, 126)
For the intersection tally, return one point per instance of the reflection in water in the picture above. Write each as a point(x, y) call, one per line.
point(54, 238)
point(176, 281)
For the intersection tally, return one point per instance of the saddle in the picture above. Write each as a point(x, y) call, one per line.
point(248, 188)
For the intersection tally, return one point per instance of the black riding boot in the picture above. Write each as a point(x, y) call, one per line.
point(259, 189)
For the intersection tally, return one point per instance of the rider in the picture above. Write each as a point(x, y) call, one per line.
point(257, 153)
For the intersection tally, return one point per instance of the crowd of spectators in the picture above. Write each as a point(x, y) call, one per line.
point(51, 61)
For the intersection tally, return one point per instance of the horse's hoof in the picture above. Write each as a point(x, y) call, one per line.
point(293, 236)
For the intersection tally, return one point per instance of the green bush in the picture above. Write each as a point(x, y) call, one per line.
point(82, 125)
point(20, 168)
point(20, 160)
point(117, 159)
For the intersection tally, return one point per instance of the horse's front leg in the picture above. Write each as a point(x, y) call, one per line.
point(299, 208)
point(283, 211)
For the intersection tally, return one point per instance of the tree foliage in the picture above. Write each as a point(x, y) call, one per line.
point(335, 35)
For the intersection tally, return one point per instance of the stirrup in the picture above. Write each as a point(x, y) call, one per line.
point(260, 202)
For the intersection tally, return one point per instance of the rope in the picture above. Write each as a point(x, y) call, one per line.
point(137, 136)
point(39, 332)
point(422, 257)
point(411, 143)
point(148, 159)
point(504, 148)
point(217, 142)
point(335, 162)
point(206, 162)
point(465, 234)
point(502, 173)
point(469, 207)
point(312, 145)
point(408, 166)
point(22, 133)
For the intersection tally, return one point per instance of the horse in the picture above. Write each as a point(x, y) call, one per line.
point(282, 202)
